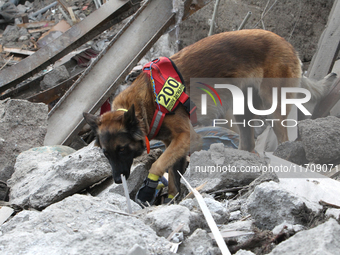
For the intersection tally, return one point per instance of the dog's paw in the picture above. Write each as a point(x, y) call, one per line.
point(146, 194)
point(169, 201)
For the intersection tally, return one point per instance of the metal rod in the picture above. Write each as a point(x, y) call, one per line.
point(126, 193)
point(212, 25)
point(245, 20)
point(44, 9)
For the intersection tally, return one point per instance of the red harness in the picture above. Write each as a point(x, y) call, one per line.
point(169, 90)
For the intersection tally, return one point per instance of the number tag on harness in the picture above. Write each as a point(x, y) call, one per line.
point(170, 93)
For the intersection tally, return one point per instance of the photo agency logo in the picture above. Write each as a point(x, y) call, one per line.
point(246, 101)
point(205, 87)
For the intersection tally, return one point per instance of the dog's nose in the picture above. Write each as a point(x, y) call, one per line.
point(118, 179)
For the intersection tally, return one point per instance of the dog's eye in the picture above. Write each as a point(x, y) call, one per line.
point(122, 150)
point(105, 153)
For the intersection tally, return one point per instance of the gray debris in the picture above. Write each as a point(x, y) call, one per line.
point(119, 201)
point(23, 126)
point(323, 239)
point(78, 225)
point(332, 212)
point(223, 168)
point(270, 205)
point(245, 226)
point(244, 252)
point(41, 178)
point(292, 151)
point(266, 177)
point(199, 243)
point(11, 33)
point(287, 228)
point(217, 210)
point(137, 250)
point(321, 139)
point(54, 77)
point(165, 219)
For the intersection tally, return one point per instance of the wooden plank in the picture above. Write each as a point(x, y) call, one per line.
point(36, 30)
point(37, 24)
point(328, 46)
point(18, 51)
point(73, 17)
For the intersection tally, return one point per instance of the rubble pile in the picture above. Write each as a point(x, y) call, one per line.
point(23, 24)
point(66, 202)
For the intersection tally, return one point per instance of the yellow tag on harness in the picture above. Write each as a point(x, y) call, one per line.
point(170, 93)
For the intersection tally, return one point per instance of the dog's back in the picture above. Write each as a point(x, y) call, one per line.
point(239, 54)
point(250, 55)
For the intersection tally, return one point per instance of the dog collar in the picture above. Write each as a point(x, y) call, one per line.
point(147, 142)
point(122, 109)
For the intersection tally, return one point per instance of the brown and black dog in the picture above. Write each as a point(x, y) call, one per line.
point(252, 54)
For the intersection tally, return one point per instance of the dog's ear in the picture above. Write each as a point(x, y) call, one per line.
point(92, 120)
point(130, 119)
point(131, 123)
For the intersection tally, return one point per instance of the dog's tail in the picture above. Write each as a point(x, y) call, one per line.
point(318, 89)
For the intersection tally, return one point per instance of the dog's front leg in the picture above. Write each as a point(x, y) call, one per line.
point(172, 159)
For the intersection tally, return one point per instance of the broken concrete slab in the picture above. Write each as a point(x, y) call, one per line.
point(323, 239)
point(244, 226)
point(218, 210)
point(137, 250)
point(11, 33)
point(270, 205)
point(308, 184)
point(78, 225)
point(57, 75)
point(199, 243)
point(292, 151)
point(222, 168)
point(166, 218)
point(43, 178)
point(119, 201)
point(265, 177)
point(287, 228)
point(244, 252)
point(321, 139)
point(332, 212)
point(23, 126)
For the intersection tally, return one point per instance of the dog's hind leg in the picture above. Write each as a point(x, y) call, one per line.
point(174, 177)
point(247, 140)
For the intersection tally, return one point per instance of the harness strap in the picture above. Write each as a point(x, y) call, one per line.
point(190, 107)
point(156, 123)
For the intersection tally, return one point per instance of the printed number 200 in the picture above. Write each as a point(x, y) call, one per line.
point(168, 90)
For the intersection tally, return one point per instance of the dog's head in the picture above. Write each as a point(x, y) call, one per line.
point(120, 137)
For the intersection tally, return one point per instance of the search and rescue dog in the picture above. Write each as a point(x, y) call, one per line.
point(250, 54)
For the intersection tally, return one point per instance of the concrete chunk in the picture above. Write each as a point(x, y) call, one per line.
point(43, 178)
point(78, 225)
point(270, 205)
point(223, 168)
point(321, 139)
point(323, 239)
